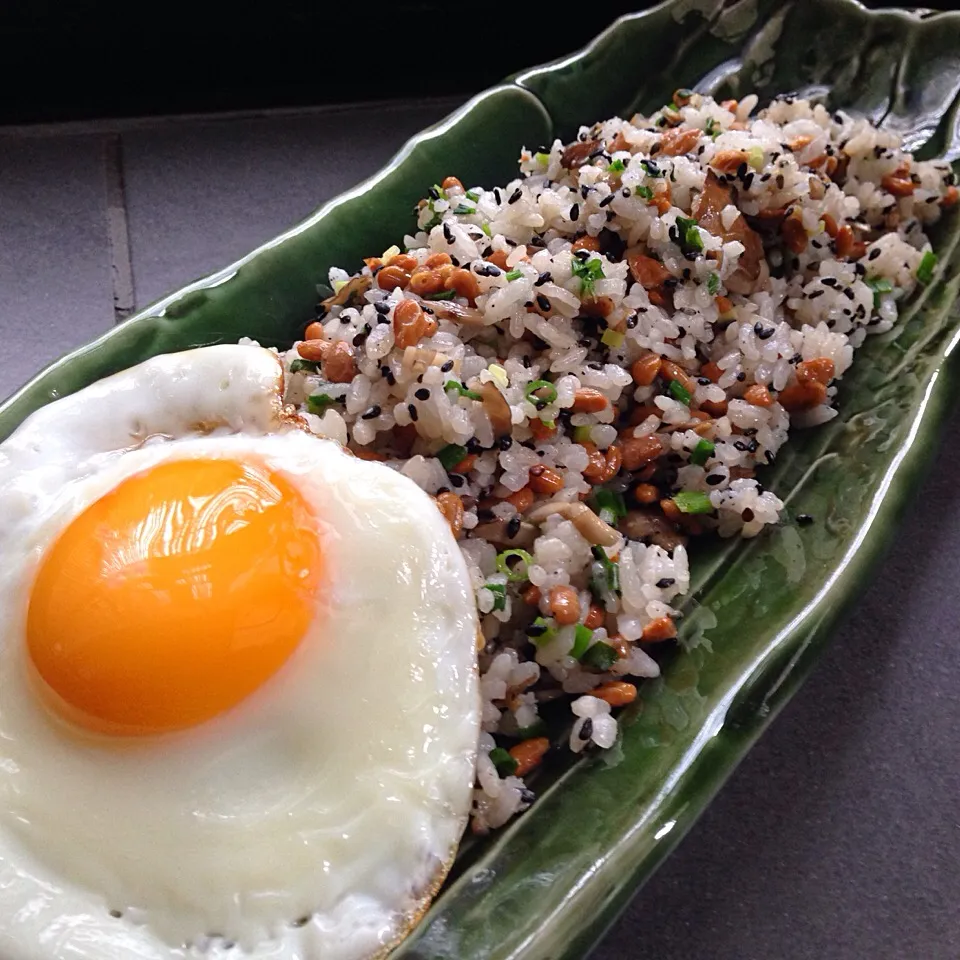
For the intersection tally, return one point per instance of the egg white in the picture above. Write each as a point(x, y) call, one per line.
point(316, 818)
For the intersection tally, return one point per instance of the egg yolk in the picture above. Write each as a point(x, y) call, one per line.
point(175, 596)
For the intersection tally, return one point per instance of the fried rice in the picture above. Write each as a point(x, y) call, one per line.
point(587, 366)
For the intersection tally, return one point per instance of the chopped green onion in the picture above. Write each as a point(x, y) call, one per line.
point(303, 366)
point(540, 393)
point(338, 285)
point(472, 195)
point(549, 424)
point(485, 227)
point(702, 452)
point(549, 631)
point(713, 284)
point(693, 501)
point(617, 166)
point(644, 191)
point(463, 210)
point(442, 295)
point(610, 570)
point(517, 572)
point(505, 764)
point(461, 389)
point(515, 274)
point(499, 591)
point(319, 402)
point(926, 268)
point(612, 338)
point(536, 729)
point(542, 158)
point(601, 656)
point(581, 434)
point(879, 286)
point(755, 157)
point(689, 234)
point(609, 504)
point(589, 272)
point(451, 455)
point(581, 641)
point(434, 221)
point(712, 128)
point(679, 392)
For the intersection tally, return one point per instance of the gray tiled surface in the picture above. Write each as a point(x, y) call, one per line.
point(54, 272)
point(839, 837)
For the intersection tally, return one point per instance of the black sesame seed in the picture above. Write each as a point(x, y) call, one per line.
point(582, 254)
point(116, 914)
point(513, 527)
point(714, 478)
point(625, 191)
point(544, 277)
point(859, 269)
point(586, 731)
point(746, 515)
point(360, 338)
point(770, 456)
point(741, 376)
point(748, 181)
point(423, 394)
point(665, 582)
point(485, 514)
point(457, 480)
point(497, 195)
point(391, 379)
point(740, 445)
point(454, 261)
point(829, 281)
point(584, 190)
point(381, 307)
point(742, 170)
point(344, 319)
point(815, 294)
point(515, 196)
point(804, 519)
point(816, 244)
point(412, 410)
point(372, 413)
point(587, 342)
point(575, 212)
point(874, 253)
point(606, 201)
point(527, 795)
point(505, 443)
point(473, 445)
point(632, 321)
point(535, 629)
point(434, 193)
point(543, 302)
point(762, 332)
point(704, 381)
point(779, 181)
point(447, 367)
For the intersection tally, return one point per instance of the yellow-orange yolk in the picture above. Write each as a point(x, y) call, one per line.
point(175, 596)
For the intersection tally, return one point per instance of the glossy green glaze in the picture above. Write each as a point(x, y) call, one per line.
point(549, 884)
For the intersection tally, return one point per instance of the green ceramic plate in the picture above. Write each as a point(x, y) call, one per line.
point(549, 884)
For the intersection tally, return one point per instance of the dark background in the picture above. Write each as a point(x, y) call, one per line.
point(91, 61)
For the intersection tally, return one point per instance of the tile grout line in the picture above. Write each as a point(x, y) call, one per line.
point(118, 235)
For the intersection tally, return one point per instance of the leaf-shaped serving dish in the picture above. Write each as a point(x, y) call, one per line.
point(549, 883)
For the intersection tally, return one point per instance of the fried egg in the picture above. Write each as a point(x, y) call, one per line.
point(238, 694)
